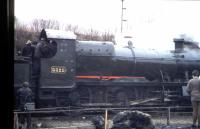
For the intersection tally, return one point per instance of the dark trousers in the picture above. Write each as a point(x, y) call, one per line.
point(25, 118)
point(196, 112)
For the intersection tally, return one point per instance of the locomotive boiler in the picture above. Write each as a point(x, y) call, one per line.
point(98, 73)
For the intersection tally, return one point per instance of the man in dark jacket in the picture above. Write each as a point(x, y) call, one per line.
point(45, 48)
point(27, 50)
point(193, 88)
point(25, 96)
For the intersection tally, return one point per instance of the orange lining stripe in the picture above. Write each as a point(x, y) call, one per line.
point(105, 77)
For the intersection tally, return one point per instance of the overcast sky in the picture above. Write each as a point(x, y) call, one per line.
point(152, 23)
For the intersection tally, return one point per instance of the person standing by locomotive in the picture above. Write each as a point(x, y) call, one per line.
point(27, 50)
point(45, 48)
point(24, 95)
point(193, 88)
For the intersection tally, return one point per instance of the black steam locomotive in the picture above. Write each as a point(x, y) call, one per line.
point(64, 71)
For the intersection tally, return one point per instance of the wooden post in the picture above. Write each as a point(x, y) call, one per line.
point(168, 116)
point(106, 119)
point(16, 122)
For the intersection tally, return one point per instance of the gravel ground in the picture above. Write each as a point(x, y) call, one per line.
point(178, 122)
point(83, 122)
point(52, 122)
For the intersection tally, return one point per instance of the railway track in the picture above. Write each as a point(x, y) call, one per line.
point(94, 110)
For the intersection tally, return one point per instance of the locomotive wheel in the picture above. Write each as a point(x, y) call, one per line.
point(122, 98)
point(80, 96)
point(62, 102)
point(110, 97)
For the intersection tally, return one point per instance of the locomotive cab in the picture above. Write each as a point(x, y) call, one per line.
point(58, 70)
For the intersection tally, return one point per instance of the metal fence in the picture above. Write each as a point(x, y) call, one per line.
point(171, 116)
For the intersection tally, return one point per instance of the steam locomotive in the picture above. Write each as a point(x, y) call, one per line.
point(64, 71)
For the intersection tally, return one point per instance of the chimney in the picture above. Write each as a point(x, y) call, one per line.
point(179, 43)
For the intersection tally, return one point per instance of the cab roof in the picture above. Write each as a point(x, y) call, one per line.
point(60, 34)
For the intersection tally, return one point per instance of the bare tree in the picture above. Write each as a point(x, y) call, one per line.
point(39, 24)
point(24, 32)
point(107, 36)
